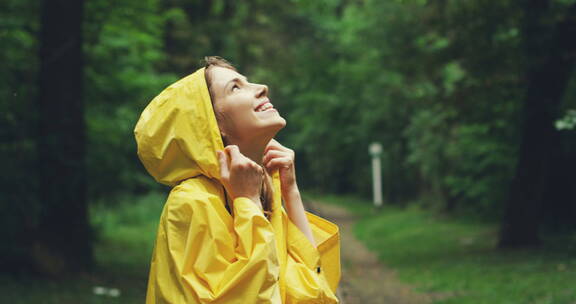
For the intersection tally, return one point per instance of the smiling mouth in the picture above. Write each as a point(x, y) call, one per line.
point(264, 107)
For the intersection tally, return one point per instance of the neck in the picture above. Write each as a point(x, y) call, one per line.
point(252, 149)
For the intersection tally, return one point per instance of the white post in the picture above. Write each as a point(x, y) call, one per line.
point(376, 150)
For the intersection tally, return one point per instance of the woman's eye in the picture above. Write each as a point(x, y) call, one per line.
point(235, 87)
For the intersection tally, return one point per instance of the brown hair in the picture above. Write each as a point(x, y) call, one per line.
point(213, 61)
point(266, 194)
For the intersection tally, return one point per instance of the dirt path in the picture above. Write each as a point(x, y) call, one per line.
point(364, 278)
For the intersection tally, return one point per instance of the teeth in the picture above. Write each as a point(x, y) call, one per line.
point(265, 107)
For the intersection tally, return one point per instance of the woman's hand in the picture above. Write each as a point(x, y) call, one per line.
point(276, 156)
point(279, 157)
point(240, 175)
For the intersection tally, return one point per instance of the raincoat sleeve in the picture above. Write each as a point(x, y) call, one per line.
point(313, 272)
point(214, 264)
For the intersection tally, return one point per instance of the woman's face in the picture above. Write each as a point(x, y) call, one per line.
point(243, 109)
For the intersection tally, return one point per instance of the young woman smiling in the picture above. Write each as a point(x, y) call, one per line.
point(224, 235)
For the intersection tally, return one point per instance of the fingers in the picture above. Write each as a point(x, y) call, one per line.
point(277, 156)
point(278, 163)
point(273, 154)
point(244, 176)
point(274, 142)
point(234, 153)
point(280, 148)
point(224, 167)
point(274, 145)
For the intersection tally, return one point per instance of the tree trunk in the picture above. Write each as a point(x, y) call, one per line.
point(559, 210)
point(551, 55)
point(63, 239)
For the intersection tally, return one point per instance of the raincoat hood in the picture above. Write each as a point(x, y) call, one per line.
point(177, 133)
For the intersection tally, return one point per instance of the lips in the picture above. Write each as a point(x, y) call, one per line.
point(265, 105)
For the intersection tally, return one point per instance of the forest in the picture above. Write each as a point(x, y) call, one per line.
point(474, 103)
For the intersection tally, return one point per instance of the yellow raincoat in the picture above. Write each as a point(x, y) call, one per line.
point(202, 253)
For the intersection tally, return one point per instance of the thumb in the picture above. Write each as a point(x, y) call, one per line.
point(223, 160)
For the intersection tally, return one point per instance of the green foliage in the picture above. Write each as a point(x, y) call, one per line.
point(458, 258)
point(409, 74)
point(128, 219)
point(483, 166)
point(455, 257)
point(18, 205)
point(568, 122)
point(124, 47)
point(438, 83)
point(427, 140)
point(127, 227)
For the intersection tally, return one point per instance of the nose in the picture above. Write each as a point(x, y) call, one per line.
point(261, 90)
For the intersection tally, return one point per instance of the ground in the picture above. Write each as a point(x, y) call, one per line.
point(364, 278)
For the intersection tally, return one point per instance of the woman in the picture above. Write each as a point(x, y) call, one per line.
point(224, 236)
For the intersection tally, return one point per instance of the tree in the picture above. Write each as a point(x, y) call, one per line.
point(550, 52)
point(62, 241)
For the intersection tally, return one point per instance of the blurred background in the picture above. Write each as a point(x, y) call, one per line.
point(472, 101)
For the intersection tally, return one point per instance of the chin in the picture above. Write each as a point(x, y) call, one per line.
point(278, 125)
point(270, 128)
point(281, 121)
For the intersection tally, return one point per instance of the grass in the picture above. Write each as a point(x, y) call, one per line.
point(439, 254)
point(436, 254)
point(126, 230)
